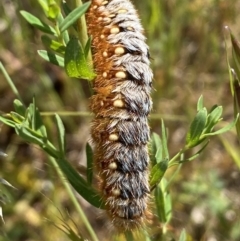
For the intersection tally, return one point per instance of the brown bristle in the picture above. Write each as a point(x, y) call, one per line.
point(121, 104)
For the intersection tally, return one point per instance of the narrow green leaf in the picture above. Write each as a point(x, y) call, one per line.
point(196, 154)
point(89, 154)
point(87, 47)
point(183, 236)
point(224, 129)
point(168, 206)
point(52, 44)
point(159, 155)
point(200, 103)
point(158, 172)
point(236, 55)
point(213, 108)
point(19, 107)
point(32, 112)
point(75, 62)
point(61, 135)
point(155, 148)
point(16, 117)
point(36, 22)
point(213, 118)
point(67, 11)
point(159, 201)
point(236, 100)
point(29, 135)
point(215, 115)
point(39, 126)
point(167, 200)
point(7, 122)
point(163, 202)
point(164, 142)
point(227, 30)
point(66, 8)
point(64, 34)
point(80, 185)
point(50, 149)
point(74, 16)
point(52, 58)
point(28, 122)
point(196, 128)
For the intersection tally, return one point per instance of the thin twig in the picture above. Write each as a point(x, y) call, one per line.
point(82, 31)
point(74, 200)
point(89, 114)
point(10, 82)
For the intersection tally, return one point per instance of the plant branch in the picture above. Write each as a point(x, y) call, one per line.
point(74, 199)
point(82, 31)
point(10, 82)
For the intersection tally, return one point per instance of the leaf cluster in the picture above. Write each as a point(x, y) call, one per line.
point(28, 124)
point(63, 49)
point(198, 136)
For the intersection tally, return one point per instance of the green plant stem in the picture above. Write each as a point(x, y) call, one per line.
point(10, 82)
point(89, 114)
point(172, 161)
point(74, 200)
point(68, 113)
point(173, 176)
point(82, 31)
point(168, 117)
point(59, 35)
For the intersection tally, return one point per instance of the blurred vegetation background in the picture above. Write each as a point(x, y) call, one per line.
point(186, 39)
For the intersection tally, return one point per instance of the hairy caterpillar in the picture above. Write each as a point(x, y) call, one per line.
point(121, 104)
